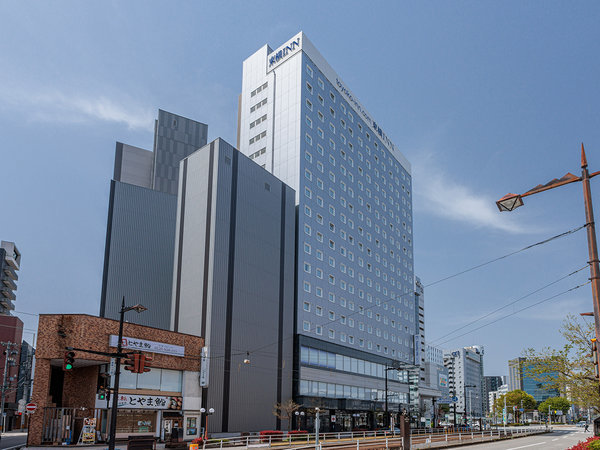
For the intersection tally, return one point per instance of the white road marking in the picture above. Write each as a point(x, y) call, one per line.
point(555, 439)
point(524, 446)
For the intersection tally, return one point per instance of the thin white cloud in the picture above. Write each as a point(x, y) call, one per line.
point(441, 196)
point(61, 107)
point(557, 310)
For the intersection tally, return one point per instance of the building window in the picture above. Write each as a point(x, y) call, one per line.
point(309, 70)
point(306, 306)
point(309, 87)
point(309, 104)
point(306, 325)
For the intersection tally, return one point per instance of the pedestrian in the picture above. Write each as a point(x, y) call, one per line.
point(587, 426)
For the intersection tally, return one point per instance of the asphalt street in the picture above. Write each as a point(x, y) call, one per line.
point(561, 438)
point(12, 439)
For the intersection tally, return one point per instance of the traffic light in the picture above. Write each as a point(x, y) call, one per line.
point(133, 363)
point(145, 363)
point(595, 357)
point(69, 361)
point(101, 393)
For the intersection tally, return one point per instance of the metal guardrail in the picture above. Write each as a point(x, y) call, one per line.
point(366, 439)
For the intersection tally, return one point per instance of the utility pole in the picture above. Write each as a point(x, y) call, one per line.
point(8, 346)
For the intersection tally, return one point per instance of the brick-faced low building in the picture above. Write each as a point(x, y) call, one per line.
point(151, 403)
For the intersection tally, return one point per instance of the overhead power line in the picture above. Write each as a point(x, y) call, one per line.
point(509, 304)
point(478, 266)
point(516, 312)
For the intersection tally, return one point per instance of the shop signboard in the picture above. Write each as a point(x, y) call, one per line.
point(443, 380)
point(204, 367)
point(149, 402)
point(130, 343)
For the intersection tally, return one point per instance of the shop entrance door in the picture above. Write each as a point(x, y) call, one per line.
point(169, 423)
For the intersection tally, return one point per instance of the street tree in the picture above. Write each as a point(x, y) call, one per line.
point(285, 411)
point(515, 400)
point(555, 404)
point(569, 369)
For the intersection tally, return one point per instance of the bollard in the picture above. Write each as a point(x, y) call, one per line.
point(459, 436)
point(247, 438)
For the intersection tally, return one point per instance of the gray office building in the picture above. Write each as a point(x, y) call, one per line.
point(140, 234)
point(10, 262)
point(234, 284)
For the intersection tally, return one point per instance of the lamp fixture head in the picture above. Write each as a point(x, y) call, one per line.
point(509, 202)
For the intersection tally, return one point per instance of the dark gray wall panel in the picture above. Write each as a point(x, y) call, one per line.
point(254, 288)
point(140, 246)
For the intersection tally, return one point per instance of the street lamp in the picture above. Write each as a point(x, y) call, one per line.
point(299, 417)
point(206, 414)
point(512, 201)
point(113, 414)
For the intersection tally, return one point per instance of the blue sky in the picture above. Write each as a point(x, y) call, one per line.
point(483, 98)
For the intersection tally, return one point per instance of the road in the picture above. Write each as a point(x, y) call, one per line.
point(12, 439)
point(561, 438)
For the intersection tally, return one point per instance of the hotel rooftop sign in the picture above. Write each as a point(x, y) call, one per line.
point(284, 52)
point(301, 43)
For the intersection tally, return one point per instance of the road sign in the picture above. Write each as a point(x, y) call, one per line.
point(30, 407)
point(454, 399)
point(521, 409)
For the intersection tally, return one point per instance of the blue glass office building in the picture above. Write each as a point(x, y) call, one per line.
point(355, 303)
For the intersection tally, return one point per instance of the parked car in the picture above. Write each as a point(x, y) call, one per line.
point(581, 423)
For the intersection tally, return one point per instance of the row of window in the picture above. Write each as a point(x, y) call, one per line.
point(318, 310)
point(320, 358)
point(307, 327)
point(257, 153)
point(333, 390)
point(258, 137)
point(342, 169)
point(347, 285)
point(157, 379)
point(258, 89)
point(349, 254)
point(260, 104)
point(350, 161)
point(350, 117)
point(257, 121)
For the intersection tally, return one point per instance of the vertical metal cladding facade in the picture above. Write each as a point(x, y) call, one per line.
point(139, 260)
point(234, 283)
point(175, 138)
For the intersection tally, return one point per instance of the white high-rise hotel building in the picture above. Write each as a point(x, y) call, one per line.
point(355, 283)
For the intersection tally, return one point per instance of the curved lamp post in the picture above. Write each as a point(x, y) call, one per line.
point(206, 414)
point(512, 201)
point(299, 416)
point(113, 415)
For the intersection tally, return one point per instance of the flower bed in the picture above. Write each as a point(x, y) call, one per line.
point(592, 443)
point(274, 435)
